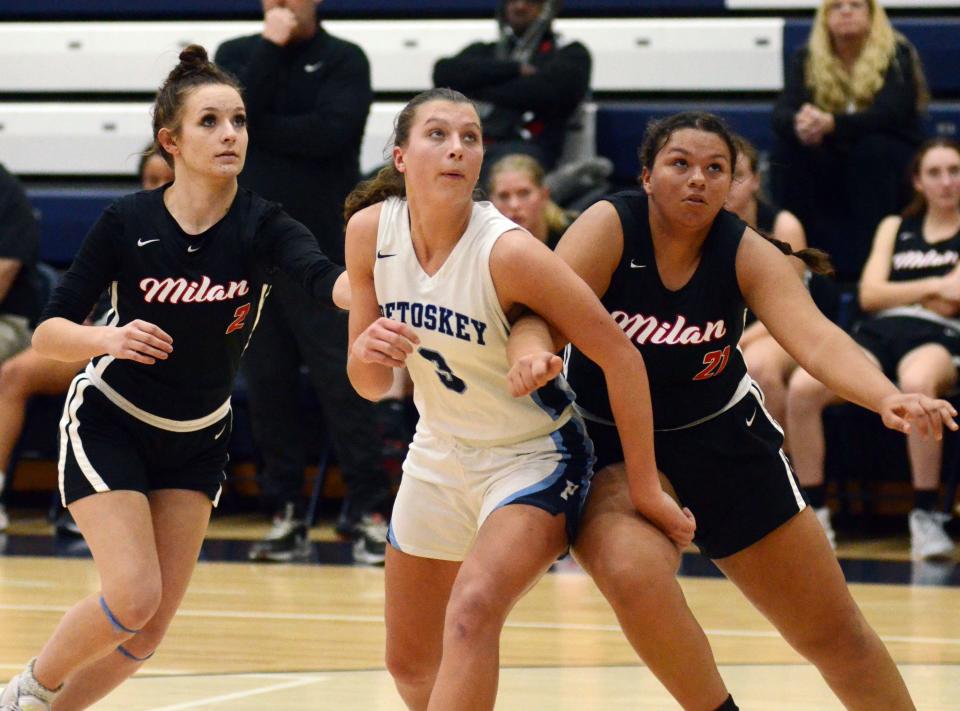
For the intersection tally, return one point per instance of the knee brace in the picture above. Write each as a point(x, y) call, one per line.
point(114, 622)
point(133, 657)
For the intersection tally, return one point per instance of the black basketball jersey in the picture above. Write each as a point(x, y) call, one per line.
point(915, 258)
point(688, 337)
point(205, 290)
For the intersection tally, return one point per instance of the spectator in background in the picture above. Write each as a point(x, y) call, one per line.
point(19, 282)
point(846, 125)
point(767, 362)
point(517, 190)
point(911, 286)
point(308, 95)
point(27, 373)
point(527, 84)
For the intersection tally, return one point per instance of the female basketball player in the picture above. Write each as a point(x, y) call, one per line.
point(492, 486)
point(143, 438)
point(674, 270)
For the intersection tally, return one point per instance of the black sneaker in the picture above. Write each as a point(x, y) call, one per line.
point(370, 545)
point(287, 540)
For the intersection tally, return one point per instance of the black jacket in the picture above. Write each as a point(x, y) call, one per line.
point(535, 107)
point(893, 111)
point(307, 107)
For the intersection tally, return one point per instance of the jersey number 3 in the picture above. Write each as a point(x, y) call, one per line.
point(715, 361)
point(446, 375)
point(239, 318)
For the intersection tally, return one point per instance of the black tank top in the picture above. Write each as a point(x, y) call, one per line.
point(688, 337)
point(915, 258)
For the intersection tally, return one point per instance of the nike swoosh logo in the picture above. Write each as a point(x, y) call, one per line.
point(193, 248)
point(141, 242)
point(381, 255)
point(311, 68)
point(222, 430)
point(634, 265)
point(751, 418)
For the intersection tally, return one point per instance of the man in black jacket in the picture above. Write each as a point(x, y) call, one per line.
point(528, 83)
point(308, 95)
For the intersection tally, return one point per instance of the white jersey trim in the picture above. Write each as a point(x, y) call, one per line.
point(163, 423)
point(70, 429)
point(741, 392)
point(917, 311)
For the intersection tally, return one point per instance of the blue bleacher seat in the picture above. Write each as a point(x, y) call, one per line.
point(66, 214)
point(620, 126)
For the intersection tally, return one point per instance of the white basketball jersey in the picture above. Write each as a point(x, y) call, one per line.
point(460, 368)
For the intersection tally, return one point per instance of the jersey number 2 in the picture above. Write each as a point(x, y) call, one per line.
point(443, 370)
point(715, 361)
point(240, 316)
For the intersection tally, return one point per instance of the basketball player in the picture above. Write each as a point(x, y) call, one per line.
point(143, 438)
point(492, 486)
point(675, 270)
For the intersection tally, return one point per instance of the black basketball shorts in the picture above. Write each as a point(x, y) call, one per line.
point(103, 448)
point(729, 470)
point(890, 338)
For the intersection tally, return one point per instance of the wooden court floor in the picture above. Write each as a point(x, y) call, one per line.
point(311, 637)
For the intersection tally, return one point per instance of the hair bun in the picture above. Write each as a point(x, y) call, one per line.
point(193, 57)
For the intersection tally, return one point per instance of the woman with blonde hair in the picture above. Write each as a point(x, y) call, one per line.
point(847, 124)
point(516, 188)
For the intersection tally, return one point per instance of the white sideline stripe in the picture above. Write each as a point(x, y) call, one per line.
point(241, 694)
point(376, 619)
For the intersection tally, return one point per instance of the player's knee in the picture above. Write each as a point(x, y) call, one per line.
point(134, 603)
point(410, 668)
point(839, 645)
point(635, 590)
point(474, 611)
point(918, 381)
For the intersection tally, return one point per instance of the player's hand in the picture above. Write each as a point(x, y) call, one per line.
point(532, 372)
point(662, 511)
point(905, 411)
point(279, 24)
point(385, 342)
point(139, 341)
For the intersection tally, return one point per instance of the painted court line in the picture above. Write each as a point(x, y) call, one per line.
point(378, 620)
point(303, 681)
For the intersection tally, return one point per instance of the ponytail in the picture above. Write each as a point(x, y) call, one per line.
point(388, 182)
point(817, 260)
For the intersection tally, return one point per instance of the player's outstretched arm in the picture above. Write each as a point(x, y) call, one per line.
point(772, 289)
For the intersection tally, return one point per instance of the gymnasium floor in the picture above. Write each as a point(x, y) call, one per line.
point(310, 636)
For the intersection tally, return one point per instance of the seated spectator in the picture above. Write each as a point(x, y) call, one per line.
point(517, 190)
point(767, 362)
point(911, 288)
point(27, 374)
point(845, 126)
point(20, 292)
point(527, 84)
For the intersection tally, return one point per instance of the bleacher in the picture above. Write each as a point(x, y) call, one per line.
point(77, 76)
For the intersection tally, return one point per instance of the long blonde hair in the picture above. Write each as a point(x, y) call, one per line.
point(833, 87)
